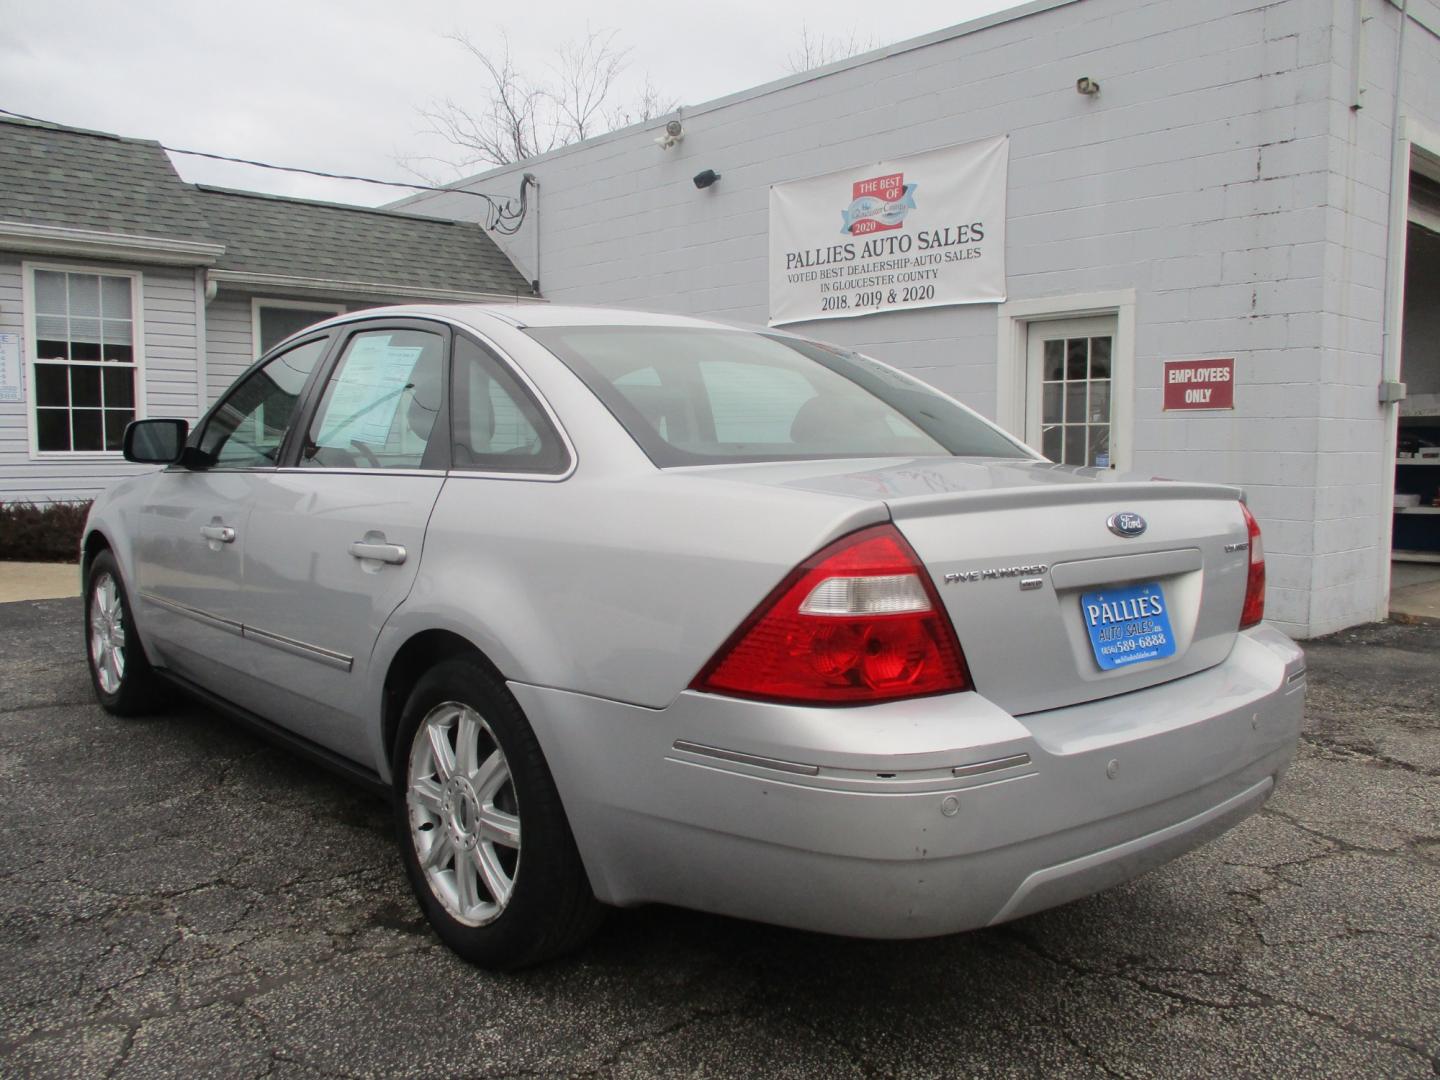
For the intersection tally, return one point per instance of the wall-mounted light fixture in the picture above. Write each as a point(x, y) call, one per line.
point(673, 134)
point(1087, 86)
point(706, 178)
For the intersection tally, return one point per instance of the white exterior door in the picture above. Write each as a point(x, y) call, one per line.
point(1071, 391)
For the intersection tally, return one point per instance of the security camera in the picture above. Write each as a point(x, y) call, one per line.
point(673, 129)
point(706, 178)
point(673, 134)
point(1087, 86)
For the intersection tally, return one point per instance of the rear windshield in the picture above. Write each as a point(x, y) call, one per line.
point(697, 396)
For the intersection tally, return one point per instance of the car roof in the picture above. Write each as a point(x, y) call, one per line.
point(541, 314)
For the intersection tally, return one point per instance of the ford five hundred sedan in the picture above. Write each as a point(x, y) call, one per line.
point(628, 608)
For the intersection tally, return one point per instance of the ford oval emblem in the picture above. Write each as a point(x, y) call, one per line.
point(1126, 523)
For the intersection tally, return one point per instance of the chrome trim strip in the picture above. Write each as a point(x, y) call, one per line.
point(1014, 761)
point(326, 470)
point(738, 758)
point(228, 625)
point(1294, 675)
point(299, 648)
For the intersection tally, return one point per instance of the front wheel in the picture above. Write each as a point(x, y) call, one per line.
point(123, 680)
point(486, 843)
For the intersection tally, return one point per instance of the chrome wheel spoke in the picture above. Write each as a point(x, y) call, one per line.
point(439, 851)
point(499, 827)
point(441, 750)
point(490, 776)
point(425, 794)
point(467, 736)
point(466, 881)
point(497, 883)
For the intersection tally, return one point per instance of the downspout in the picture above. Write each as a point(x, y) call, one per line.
point(203, 296)
point(531, 179)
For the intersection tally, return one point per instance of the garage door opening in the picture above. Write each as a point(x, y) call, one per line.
point(1415, 555)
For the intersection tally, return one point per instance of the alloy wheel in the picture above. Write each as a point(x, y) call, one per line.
point(464, 816)
point(107, 633)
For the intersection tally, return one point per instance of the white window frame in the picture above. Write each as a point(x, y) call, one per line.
point(257, 303)
point(1013, 320)
point(137, 323)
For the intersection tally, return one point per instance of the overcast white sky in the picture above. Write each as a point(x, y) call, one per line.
point(334, 84)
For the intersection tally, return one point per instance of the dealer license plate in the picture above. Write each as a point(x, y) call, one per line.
point(1128, 625)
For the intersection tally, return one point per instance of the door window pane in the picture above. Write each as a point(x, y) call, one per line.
point(1054, 360)
point(248, 427)
point(1075, 400)
point(381, 402)
point(498, 426)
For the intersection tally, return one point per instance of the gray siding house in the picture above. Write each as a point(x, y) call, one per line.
point(125, 292)
point(1244, 187)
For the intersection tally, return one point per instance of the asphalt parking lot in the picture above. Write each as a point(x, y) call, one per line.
point(180, 899)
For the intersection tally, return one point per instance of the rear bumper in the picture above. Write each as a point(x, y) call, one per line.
point(914, 818)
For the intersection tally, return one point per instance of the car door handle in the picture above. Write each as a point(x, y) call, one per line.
point(390, 553)
point(224, 533)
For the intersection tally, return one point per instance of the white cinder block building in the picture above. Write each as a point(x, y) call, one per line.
point(1256, 181)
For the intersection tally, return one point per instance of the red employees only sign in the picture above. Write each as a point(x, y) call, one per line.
point(1199, 384)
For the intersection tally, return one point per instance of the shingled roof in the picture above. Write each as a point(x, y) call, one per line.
point(77, 179)
point(271, 234)
point(89, 180)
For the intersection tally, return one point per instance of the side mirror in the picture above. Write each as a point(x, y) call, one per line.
point(155, 442)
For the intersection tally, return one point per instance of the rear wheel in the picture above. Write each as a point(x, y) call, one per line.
point(122, 677)
point(486, 844)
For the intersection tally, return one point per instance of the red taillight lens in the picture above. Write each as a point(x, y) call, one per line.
point(1254, 609)
point(859, 621)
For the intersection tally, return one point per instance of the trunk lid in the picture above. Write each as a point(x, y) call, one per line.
point(983, 527)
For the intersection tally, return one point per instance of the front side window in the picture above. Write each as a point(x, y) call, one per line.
point(381, 404)
point(248, 427)
point(85, 363)
point(697, 396)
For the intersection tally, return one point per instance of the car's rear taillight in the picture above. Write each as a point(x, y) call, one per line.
point(1254, 609)
point(857, 622)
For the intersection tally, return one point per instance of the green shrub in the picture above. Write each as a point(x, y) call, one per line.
point(49, 533)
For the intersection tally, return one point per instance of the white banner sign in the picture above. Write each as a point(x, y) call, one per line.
point(916, 232)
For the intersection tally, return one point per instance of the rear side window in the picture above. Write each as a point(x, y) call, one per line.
point(694, 396)
point(497, 425)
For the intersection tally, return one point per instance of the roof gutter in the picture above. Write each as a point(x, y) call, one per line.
point(97, 244)
point(362, 290)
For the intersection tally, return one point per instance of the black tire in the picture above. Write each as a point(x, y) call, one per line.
point(550, 909)
point(137, 689)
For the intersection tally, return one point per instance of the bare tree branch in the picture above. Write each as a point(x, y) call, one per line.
point(647, 105)
point(523, 113)
point(817, 50)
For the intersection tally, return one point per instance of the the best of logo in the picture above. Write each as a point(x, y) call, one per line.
point(878, 204)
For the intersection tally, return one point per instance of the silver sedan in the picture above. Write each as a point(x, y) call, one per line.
point(627, 608)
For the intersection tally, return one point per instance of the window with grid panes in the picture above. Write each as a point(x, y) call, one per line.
point(1075, 402)
point(84, 354)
